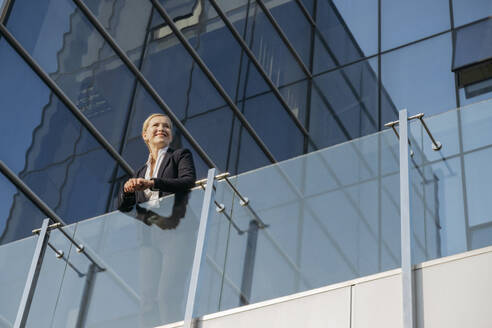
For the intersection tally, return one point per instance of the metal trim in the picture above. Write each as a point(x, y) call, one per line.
point(141, 78)
point(407, 276)
point(196, 57)
point(32, 276)
point(207, 209)
point(64, 98)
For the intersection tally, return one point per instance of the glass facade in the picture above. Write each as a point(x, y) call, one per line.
point(340, 72)
point(304, 74)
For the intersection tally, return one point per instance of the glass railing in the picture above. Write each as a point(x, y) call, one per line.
point(451, 208)
point(318, 219)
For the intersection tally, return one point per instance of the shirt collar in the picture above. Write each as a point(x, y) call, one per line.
point(161, 153)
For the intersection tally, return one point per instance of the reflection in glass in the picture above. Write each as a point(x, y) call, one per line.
point(415, 80)
point(15, 260)
point(324, 219)
point(48, 148)
point(68, 47)
point(147, 256)
point(449, 188)
point(344, 104)
point(469, 11)
point(424, 17)
point(361, 20)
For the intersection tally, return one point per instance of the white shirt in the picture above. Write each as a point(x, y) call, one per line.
point(149, 194)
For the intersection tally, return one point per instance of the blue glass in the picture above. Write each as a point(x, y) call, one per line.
point(475, 92)
point(274, 126)
point(361, 19)
point(472, 44)
point(466, 11)
point(299, 34)
point(147, 268)
point(48, 148)
point(403, 21)
point(330, 216)
point(269, 49)
point(414, 80)
point(15, 261)
point(335, 44)
point(18, 216)
point(449, 187)
point(129, 37)
point(50, 279)
point(346, 101)
point(68, 47)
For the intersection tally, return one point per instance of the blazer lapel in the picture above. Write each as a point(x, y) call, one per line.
point(165, 161)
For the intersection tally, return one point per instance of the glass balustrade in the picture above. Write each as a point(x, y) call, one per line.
point(450, 206)
point(318, 219)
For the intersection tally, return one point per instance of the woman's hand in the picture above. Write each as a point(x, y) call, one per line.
point(137, 184)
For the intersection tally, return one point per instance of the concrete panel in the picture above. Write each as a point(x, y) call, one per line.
point(330, 309)
point(377, 303)
point(455, 294)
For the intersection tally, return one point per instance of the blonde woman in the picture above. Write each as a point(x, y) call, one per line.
point(166, 171)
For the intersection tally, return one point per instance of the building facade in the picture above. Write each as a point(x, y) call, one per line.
point(251, 83)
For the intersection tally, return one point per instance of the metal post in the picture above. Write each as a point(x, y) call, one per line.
point(32, 276)
point(406, 249)
point(207, 209)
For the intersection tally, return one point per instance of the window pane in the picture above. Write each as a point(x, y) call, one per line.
point(112, 13)
point(335, 41)
point(68, 47)
point(406, 21)
point(294, 25)
point(467, 11)
point(361, 20)
point(263, 40)
point(415, 80)
point(473, 44)
point(48, 148)
point(345, 104)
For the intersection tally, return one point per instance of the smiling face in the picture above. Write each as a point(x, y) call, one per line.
point(158, 132)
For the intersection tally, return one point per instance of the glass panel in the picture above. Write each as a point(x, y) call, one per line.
point(147, 267)
point(449, 203)
point(466, 11)
point(344, 104)
point(264, 41)
point(211, 278)
point(473, 44)
point(335, 44)
point(299, 34)
point(330, 216)
point(112, 13)
point(424, 17)
point(65, 44)
point(50, 280)
point(48, 148)
point(361, 20)
point(404, 82)
point(15, 260)
point(18, 215)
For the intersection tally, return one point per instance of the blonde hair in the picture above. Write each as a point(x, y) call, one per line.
point(146, 123)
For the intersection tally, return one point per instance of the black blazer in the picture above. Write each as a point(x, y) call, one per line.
point(176, 175)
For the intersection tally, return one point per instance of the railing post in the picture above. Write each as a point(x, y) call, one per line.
point(207, 209)
point(32, 276)
point(406, 228)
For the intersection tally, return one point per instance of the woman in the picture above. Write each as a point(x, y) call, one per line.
point(167, 170)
